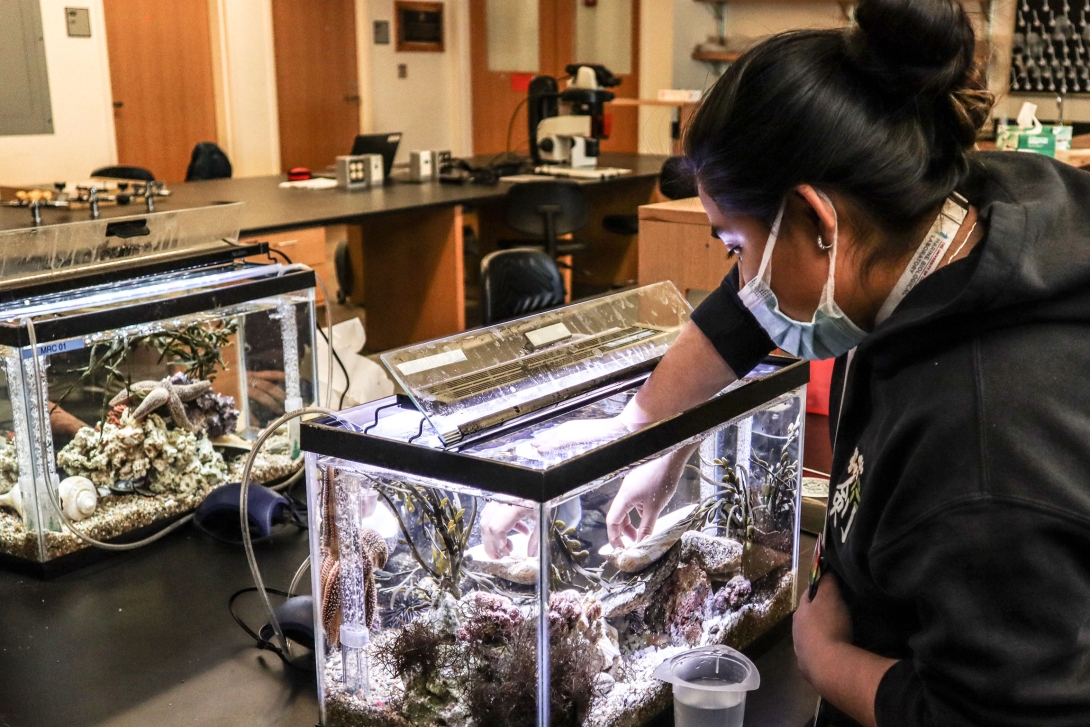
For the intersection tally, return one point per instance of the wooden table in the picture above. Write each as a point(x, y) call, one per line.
point(406, 239)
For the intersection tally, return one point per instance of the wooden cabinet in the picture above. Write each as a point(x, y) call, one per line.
point(305, 246)
point(676, 244)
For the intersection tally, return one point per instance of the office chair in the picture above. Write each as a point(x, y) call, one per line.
point(124, 172)
point(517, 282)
point(207, 162)
point(675, 182)
point(546, 210)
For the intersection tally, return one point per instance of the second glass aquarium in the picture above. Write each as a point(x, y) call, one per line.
point(138, 359)
point(482, 553)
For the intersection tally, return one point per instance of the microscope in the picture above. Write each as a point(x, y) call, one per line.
point(570, 138)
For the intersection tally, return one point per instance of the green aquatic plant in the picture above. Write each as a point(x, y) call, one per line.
point(442, 520)
point(196, 348)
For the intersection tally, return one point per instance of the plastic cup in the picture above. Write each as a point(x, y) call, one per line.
point(710, 686)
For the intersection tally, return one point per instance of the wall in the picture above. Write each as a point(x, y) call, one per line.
point(746, 22)
point(431, 105)
point(245, 64)
point(656, 72)
point(79, 86)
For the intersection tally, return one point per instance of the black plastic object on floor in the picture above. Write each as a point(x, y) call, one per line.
point(218, 515)
point(518, 282)
point(296, 617)
point(208, 162)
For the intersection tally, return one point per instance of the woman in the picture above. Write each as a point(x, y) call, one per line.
point(955, 289)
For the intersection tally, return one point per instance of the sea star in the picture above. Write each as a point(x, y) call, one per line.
point(157, 393)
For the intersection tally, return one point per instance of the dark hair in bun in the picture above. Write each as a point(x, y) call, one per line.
point(884, 113)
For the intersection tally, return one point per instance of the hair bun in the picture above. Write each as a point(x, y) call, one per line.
point(914, 46)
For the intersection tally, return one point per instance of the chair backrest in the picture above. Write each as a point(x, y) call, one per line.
point(207, 162)
point(518, 282)
point(124, 172)
point(546, 209)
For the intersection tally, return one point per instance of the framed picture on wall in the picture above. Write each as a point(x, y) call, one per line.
point(419, 25)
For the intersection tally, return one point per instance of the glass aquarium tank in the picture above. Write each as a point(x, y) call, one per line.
point(139, 357)
point(472, 560)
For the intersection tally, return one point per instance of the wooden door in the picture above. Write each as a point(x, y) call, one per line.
point(161, 77)
point(317, 80)
point(499, 82)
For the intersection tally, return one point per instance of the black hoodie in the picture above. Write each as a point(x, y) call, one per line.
point(959, 523)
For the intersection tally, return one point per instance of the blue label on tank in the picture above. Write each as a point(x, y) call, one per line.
point(55, 347)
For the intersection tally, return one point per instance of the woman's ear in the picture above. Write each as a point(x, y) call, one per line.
point(825, 212)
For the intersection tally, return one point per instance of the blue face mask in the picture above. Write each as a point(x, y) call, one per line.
point(828, 335)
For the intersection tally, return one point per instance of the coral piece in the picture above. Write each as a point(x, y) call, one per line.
point(634, 557)
point(79, 498)
point(643, 590)
point(172, 460)
point(156, 394)
point(213, 413)
point(737, 591)
point(717, 556)
point(565, 609)
point(490, 619)
point(9, 465)
point(686, 596)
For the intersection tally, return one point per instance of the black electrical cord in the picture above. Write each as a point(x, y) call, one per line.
point(347, 381)
point(262, 643)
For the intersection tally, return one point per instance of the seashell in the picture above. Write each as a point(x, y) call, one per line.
point(79, 498)
point(13, 498)
point(634, 557)
point(515, 567)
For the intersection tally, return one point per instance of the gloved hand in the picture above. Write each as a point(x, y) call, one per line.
point(578, 431)
point(647, 489)
point(498, 520)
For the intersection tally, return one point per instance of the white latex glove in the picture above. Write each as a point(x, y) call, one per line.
point(647, 490)
point(498, 520)
point(579, 431)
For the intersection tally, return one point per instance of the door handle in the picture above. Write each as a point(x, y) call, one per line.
point(351, 97)
point(118, 104)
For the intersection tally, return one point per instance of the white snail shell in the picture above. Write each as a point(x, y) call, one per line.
point(13, 498)
point(79, 498)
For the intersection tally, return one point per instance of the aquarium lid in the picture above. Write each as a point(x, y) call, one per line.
point(51, 254)
point(349, 435)
point(472, 382)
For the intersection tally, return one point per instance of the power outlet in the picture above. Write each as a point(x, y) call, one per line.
point(402, 70)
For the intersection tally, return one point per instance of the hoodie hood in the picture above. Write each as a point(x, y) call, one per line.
point(1033, 263)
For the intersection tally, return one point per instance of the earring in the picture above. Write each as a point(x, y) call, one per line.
point(822, 246)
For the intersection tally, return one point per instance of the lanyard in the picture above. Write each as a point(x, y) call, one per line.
point(930, 253)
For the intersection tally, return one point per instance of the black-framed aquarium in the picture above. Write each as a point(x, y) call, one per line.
point(425, 612)
point(159, 346)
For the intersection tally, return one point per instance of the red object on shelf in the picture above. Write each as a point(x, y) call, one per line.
point(821, 380)
point(520, 82)
point(298, 174)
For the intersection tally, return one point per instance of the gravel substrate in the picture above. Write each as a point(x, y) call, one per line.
point(115, 515)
